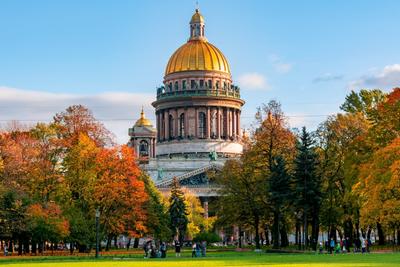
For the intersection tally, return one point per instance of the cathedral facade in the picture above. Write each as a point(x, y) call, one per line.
point(198, 111)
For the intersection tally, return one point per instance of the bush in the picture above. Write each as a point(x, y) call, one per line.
point(209, 237)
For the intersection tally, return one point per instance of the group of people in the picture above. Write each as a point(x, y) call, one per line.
point(151, 251)
point(199, 249)
point(344, 245)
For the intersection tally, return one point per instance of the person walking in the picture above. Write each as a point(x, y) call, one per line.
point(194, 250)
point(5, 250)
point(145, 249)
point(331, 246)
point(198, 249)
point(203, 248)
point(177, 248)
point(363, 245)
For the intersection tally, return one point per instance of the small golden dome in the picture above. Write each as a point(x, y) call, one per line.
point(197, 55)
point(197, 17)
point(142, 121)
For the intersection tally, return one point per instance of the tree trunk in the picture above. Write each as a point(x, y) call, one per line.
point(109, 239)
point(256, 226)
point(398, 236)
point(315, 230)
point(240, 237)
point(275, 230)
point(266, 233)
point(34, 247)
point(136, 243)
point(115, 242)
point(348, 229)
point(20, 241)
point(332, 234)
point(71, 248)
point(284, 235)
point(26, 246)
point(128, 244)
point(305, 238)
point(381, 235)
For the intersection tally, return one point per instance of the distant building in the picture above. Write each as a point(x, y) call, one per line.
point(197, 118)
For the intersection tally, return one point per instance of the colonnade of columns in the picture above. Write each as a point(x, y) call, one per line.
point(198, 123)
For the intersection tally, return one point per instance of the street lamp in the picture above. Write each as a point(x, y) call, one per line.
point(97, 232)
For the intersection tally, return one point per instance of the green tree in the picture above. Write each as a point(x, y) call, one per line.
point(157, 222)
point(279, 196)
point(307, 186)
point(178, 211)
point(365, 102)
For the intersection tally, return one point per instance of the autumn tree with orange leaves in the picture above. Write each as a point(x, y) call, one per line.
point(54, 176)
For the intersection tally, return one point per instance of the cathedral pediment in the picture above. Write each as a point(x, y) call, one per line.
point(196, 178)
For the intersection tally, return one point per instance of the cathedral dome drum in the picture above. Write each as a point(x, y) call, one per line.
point(198, 107)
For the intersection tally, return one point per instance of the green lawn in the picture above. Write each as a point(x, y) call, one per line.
point(214, 259)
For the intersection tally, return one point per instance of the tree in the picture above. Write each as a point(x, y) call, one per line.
point(78, 197)
point(46, 224)
point(178, 211)
point(279, 195)
point(307, 186)
point(245, 183)
point(119, 193)
point(379, 188)
point(196, 220)
point(76, 120)
point(157, 222)
point(342, 147)
point(365, 102)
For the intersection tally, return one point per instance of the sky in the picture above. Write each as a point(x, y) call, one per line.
point(111, 55)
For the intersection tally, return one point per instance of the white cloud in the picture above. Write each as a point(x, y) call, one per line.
point(279, 65)
point(253, 81)
point(386, 78)
point(116, 110)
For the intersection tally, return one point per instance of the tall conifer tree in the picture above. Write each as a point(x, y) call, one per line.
point(178, 211)
point(307, 186)
point(279, 195)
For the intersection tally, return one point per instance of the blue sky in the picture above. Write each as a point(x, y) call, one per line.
point(111, 55)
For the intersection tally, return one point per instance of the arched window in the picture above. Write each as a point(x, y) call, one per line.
point(170, 87)
point(217, 85)
point(202, 125)
point(182, 125)
point(143, 149)
point(183, 84)
point(170, 126)
point(176, 86)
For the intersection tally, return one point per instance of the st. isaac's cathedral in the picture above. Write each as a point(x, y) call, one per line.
point(197, 118)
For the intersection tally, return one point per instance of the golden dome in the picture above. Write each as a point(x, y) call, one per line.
point(197, 55)
point(197, 17)
point(143, 121)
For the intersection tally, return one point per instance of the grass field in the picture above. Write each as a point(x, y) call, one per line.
point(213, 259)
